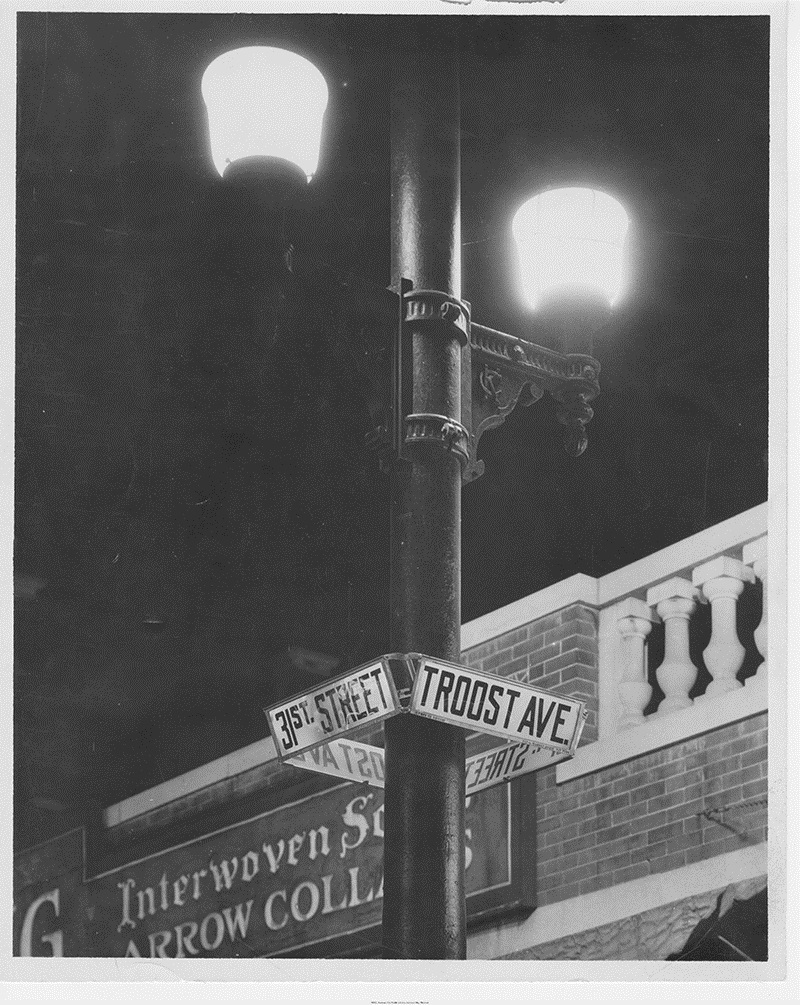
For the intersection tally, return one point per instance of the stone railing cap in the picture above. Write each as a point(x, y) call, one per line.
point(723, 565)
point(671, 588)
point(633, 607)
point(754, 550)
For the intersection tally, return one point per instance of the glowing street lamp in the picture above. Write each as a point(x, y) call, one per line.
point(571, 256)
point(265, 102)
point(571, 239)
point(265, 110)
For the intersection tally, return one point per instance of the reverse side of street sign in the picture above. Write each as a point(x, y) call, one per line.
point(361, 762)
point(476, 700)
point(507, 761)
point(357, 762)
point(358, 698)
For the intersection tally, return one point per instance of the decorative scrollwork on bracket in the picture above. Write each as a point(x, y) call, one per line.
point(495, 394)
point(507, 371)
point(574, 413)
point(499, 372)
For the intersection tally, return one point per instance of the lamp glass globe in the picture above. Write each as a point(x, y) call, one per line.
point(571, 238)
point(264, 102)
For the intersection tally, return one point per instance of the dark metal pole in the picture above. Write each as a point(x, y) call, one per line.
point(424, 914)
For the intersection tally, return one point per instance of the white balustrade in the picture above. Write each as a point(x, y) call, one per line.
point(722, 581)
point(718, 580)
point(675, 600)
point(714, 566)
point(635, 620)
point(755, 554)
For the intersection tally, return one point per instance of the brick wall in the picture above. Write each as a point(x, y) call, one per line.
point(228, 791)
point(648, 815)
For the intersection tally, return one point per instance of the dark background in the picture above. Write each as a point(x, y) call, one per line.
point(194, 502)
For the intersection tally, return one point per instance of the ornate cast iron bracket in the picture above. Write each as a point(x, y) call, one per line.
point(403, 428)
point(500, 371)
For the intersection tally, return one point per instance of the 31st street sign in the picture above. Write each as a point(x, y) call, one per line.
point(358, 698)
point(475, 700)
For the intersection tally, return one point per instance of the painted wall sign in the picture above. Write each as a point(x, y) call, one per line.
point(358, 698)
point(295, 879)
point(475, 700)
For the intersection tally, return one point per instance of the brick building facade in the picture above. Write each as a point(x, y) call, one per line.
point(619, 853)
point(668, 814)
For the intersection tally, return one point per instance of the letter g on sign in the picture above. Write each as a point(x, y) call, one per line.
point(56, 939)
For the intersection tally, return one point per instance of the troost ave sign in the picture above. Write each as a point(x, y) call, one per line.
point(475, 700)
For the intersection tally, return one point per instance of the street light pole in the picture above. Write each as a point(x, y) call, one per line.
point(424, 914)
point(266, 108)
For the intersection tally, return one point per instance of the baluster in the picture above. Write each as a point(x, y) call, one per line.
point(635, 620)
point(675, 601)
point(755, 554)
point(722, 580)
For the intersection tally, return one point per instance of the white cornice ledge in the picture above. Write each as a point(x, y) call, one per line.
point(702, 717)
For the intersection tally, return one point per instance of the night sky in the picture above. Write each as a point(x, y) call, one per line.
point(194, 500)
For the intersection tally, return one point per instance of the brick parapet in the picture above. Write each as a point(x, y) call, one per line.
point(254, 782)
point(262, 782)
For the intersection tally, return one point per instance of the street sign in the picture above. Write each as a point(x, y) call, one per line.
point(357, 762)
point(497, 705)
point(361, 762)
point(358, 698)
point(509, 760)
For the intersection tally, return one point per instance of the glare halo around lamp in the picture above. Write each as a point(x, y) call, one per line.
point(571, 249)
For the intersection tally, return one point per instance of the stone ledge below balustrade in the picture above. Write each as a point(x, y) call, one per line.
point(663, 731)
